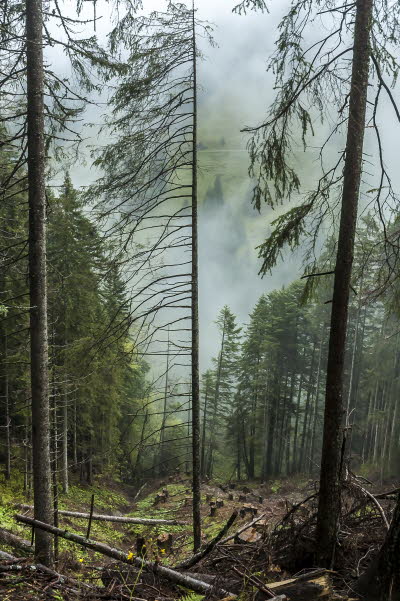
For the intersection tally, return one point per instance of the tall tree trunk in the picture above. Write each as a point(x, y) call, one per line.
point(26, 456)
point(329, 492)
point(307, 411)
point(216, 403)
point(297, 418)
point(37, 278)
point(64, 457)
point(316, 403)
point(195, 318)
point(75, 437)
point(203, 435)
point(353, 358)
point(7, 412)
point(55, 466)
point(161, 468)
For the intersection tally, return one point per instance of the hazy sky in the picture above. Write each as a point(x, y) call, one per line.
point(234, 91)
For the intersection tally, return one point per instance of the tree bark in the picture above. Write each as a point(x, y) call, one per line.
point(37, 278)
point(203, 435)
point(329, 497)
point(64, 456)
point(7, 413)
point(195, 318)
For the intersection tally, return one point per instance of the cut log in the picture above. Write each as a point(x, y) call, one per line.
point(112, 518)
point(262, 525)
point(248, 508)
point(250, 535)
point(183, 579)
point(309, 587)
point(16, 542)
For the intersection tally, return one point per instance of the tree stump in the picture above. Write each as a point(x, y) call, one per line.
point(141, 548)
point(230, 497)
point(262, 525)
point(242, 498)
point(261, 500)
point(160, 498)
point(232, 485)
point(164, 542)
point(251, 509)
point(208, 498)
point(213, 511)
point(165, 492)
point(219, 503)
point(248, 536)
point(246, 489)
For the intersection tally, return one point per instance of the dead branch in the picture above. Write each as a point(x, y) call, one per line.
point(375, 502)
point(188, 563)
point(261, 587)
point(242, 529)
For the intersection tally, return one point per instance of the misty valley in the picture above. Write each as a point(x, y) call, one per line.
point(199, 300)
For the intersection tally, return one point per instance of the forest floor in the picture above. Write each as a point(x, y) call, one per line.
point(277, 548)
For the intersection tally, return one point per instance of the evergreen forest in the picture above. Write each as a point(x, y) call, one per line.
point(199, 300)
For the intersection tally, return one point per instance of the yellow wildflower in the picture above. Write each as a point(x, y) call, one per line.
point(130, 555)
point(81, 560)
point(162, 550)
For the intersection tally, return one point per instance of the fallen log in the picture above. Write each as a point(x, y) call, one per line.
point(313, 586)
point(121, 519)
point(4, 555)
point(14, 541)
point(242, 529)
point(188, 563)
point(177, 577)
